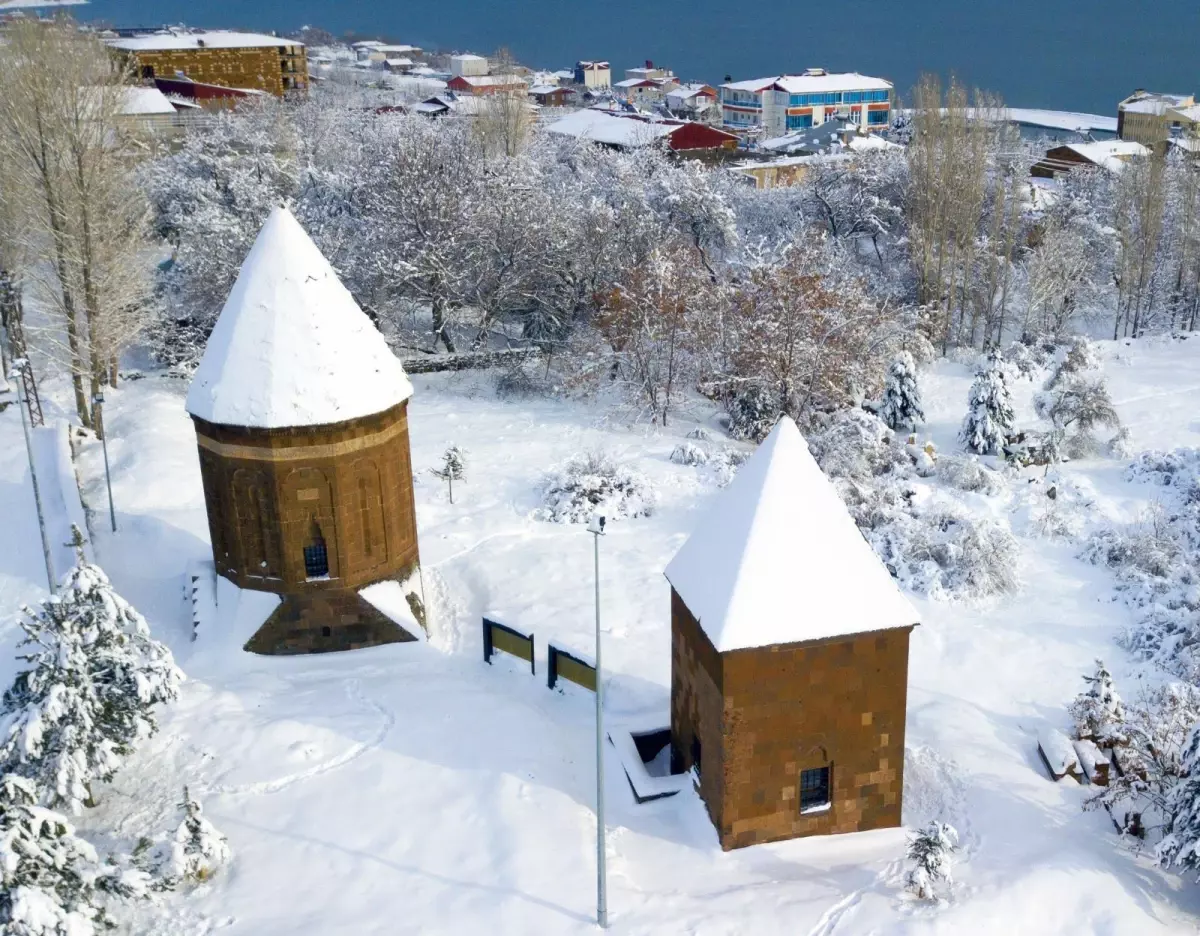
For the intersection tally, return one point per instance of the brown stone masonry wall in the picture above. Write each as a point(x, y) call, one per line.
point(274, 69)
point(838, 703)
point(696, 706)
point(268, 493)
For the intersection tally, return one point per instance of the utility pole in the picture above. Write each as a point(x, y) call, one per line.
point(18, 375)
point(596, 528)
point(98, 403)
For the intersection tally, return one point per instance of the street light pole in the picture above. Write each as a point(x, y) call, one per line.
point(98, 402)
point(596, 528)
point(16, 374)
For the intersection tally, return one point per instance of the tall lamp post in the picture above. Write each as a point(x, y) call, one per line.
point(596, 528)
point(98, 403)
point(17, 374)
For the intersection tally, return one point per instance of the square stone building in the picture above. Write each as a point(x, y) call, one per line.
point(301, 417)
point(789, 658)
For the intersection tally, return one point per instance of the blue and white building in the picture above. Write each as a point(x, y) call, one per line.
point(786, 103)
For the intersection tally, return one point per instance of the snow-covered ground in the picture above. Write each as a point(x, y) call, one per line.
point(414, 789)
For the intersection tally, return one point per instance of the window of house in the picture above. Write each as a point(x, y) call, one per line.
point(877, 117)
point(316, 559)
point(814, 789)
point(147, 71)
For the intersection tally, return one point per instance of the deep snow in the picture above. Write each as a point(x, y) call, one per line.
point(412, 788)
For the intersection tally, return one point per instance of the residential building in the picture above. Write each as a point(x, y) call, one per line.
point(593, 75)
point(1150, 117)
point(650, 72)
point(231, 59)
point(467, 65)
point(1112, 155)
point(633, 131)
point(789, 658)
point(784, 103)
point(551, 95)
point(486, 84)
point(208, 96)
point(692, 100)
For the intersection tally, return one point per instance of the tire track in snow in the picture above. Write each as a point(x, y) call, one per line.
point(353, 753)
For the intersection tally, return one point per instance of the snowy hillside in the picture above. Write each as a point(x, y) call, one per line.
point(413, 789)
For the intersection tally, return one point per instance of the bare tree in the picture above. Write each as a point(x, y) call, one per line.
point(504, 123)
point(63, 145)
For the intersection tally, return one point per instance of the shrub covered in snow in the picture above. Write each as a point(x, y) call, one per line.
point(592, 483)
point(942, 551)
point(854, 444)
point(900, 407)
point(931, 851)
point(1078, 356)
point(689, 453)
point(700, 434)
point(965, 473)
point(726, 462)
point(87, 696)
point(753, 412)
point(1098, 711)
point(192, 854)
point(49, 876)
point(1075, 406)
point(989, 418)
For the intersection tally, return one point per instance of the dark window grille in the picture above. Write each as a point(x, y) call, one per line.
point(316, 560)
point(814, 787)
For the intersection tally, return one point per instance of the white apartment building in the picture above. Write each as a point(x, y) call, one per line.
point(596, 75)
point(785, 103)
point(467, 65)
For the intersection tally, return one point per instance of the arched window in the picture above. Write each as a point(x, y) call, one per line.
point(370, 514)
point(316, 556)
point(256, 527)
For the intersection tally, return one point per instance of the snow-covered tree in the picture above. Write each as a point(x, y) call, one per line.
point(1098, 711)
point(901, 404)
point(1180, 846)
point(87, 696)
point(193, 853)
point(989, 410)
point(49, 877)
point(931, 850)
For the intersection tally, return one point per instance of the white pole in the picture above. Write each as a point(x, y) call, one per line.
point(601, 882)
point(37, 496)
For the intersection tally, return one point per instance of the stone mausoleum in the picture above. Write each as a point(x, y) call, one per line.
point(300, 410)
point(789, 658)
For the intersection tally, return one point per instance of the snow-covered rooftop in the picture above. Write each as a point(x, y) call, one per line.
point(1111, 154)
point(777, 559)
point(291, 346)
point(808, 84)
point(601, 127)
point(216, 39)
point(143, 101)
point(1061, 120)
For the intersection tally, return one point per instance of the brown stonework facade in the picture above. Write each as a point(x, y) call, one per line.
point(275, 69)
point(755, 719)
point(314, 514)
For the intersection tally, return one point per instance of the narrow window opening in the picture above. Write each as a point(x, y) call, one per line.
point(326, 631)
point(316, 558)
point(814, 789)
point(696, 755)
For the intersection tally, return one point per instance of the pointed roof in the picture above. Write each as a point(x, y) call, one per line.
point(291, 346)
point(778, 559)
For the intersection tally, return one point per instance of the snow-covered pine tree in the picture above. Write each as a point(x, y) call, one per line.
point(194, 852)
point(86, 698)
point(901, 404)
point(989, 409)
point(48, 875)
point(454, 463)
point(1098, 711)
point(1181, 845)
point(931, 850)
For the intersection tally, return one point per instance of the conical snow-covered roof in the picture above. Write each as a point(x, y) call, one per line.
point(292, 347)
point(778, 559)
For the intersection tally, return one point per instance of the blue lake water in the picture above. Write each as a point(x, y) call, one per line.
point(1063, 54)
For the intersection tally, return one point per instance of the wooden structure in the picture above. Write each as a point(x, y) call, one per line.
point(1109, 154)
point(497, 636)
point(300, 411)
point(228, 59)
point(789, 658)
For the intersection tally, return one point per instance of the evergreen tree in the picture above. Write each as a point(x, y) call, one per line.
point(87, 696)
point(1098, 711)
point(48, 875)
point(989, 410)
point(931, 851)
point(1181, 845)
point(194, 852)
point(901, 405)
